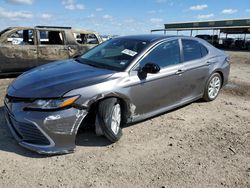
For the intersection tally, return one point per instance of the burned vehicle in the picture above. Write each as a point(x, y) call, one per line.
point(22, 48)
point(123, 80)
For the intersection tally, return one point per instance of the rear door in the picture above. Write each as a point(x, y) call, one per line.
point(18, 51)
point(196, 62)
point(51, 46)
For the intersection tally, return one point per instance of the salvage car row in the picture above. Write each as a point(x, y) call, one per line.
point(22, 48)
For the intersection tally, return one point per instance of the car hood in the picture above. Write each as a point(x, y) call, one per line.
point(55, 79)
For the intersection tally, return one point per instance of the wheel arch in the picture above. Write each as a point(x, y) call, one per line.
point(220, 73)
point(124, 102)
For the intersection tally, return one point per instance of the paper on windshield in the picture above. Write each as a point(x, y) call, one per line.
point(129, 52)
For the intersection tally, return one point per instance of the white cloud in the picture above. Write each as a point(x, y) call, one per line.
point(129, 21)
point(107, 17)
point(152, 11)
point(46, 16)
point(156, 20)
point(80, 6)
point(91, 16)
point(99, 9)
point(198, 7)
point(229, 11)
point(155, 11)
point(161, 1)
point(72, 5)
point(15, 15)
point(205, 16)
point(20, 2)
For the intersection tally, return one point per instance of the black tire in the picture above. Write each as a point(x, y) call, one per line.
point(105, 112)
point(206, 95)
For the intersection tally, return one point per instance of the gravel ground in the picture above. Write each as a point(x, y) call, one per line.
point(198, 145)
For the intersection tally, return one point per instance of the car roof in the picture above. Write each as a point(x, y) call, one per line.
point(53, 29)
point(148, 37)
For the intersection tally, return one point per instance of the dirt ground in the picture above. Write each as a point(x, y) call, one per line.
point(199, 145)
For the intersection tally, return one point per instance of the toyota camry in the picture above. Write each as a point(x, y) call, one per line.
point(123, 80)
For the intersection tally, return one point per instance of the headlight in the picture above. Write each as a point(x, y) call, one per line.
point(52, 104)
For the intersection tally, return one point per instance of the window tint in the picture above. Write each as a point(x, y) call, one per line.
point(115, 54)
point(191, 50)
point(84, 38)
point(51, 37)
point(21, 37)
point(204, 50)
point(165, 54)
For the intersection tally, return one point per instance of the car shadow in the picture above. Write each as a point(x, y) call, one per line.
point(88, 138)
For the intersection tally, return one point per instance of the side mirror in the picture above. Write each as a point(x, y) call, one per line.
point(151, 68)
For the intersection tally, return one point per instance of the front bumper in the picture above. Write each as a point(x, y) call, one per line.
point(44, 132)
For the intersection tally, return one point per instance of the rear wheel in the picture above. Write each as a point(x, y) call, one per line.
point(110, 118)
point(213, 87)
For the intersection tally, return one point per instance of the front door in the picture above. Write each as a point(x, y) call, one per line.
point(160, 90)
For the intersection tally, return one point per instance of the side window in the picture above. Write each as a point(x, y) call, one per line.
point(51, 37)
point(84, 38)
point(167, 53)
point(191, 50)
point(204, 50)
point(21, 37)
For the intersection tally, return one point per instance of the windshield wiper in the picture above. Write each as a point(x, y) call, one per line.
point(94, 64)
point(85, 61)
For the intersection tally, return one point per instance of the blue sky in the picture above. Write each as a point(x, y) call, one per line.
point(117, 17)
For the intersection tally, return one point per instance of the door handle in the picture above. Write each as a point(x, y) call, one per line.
point(70, 49)
point(180, 71)
point(210, 62)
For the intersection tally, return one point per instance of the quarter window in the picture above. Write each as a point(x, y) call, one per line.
point(204, 50)
point(191, 50)
point(166, 54)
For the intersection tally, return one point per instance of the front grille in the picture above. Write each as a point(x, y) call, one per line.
point(28, 132)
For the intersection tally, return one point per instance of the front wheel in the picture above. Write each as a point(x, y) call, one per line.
point(110, 118)
point(213, 87)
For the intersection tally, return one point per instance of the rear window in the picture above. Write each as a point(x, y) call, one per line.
point(51, 37)
point(191, 50)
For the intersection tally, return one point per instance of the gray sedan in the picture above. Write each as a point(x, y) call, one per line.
point(123, 80)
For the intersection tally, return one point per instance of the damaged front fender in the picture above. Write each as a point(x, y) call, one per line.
point(57, 129)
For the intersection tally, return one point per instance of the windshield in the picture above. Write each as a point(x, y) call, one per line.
point(115, 54)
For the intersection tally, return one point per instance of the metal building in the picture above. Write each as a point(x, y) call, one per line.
point(235, 26)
